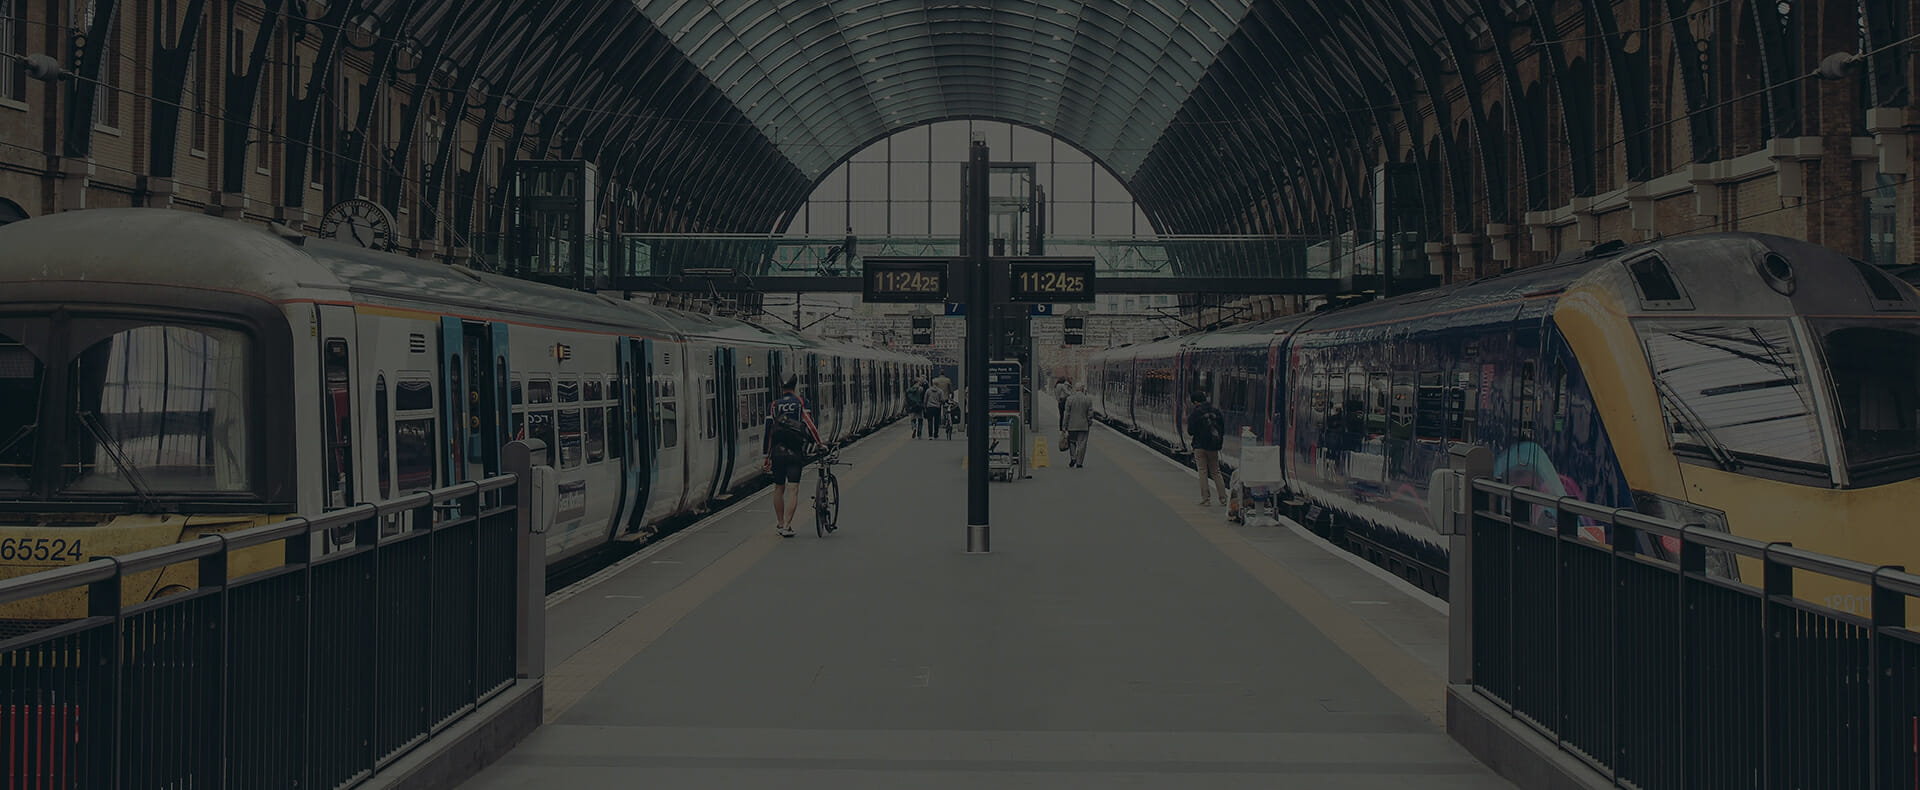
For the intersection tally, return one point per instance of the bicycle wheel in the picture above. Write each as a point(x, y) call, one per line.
point(826, 505)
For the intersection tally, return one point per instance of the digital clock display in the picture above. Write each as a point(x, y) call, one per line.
point(1050, 281)
point(901, 281)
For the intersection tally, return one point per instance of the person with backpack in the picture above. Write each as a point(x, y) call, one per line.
point(916, 400)
point(790, 434)
point(1208, 429)
point(936, 409)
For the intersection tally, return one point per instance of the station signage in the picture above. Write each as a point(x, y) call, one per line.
point(1050, 280)
point(1003, 386)
point(904, 280)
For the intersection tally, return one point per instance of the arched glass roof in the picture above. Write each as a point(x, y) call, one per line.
point(824, 78)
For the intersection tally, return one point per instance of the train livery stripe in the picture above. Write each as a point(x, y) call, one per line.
point(1591, 322)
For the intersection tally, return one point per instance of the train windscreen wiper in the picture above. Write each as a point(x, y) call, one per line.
point(127, 470)
point(18, 436)
point(1695, 426)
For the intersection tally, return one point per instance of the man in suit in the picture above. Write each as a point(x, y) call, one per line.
point(1078, 419)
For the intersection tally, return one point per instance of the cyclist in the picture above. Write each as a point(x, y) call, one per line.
point(790, 434)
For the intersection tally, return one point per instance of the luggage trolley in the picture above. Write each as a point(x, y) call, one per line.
point(1258, 485)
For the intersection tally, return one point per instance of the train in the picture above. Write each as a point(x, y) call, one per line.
point(167, 374)
point(1751, 383)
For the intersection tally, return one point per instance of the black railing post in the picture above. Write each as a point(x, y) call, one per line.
point(1693, 559)
point(478, 594)
point(299, 552)
point(103, 600)
point(1889, 611)
point(366, 538)
point(1626, 542)
point(1517, 513)
point(1776, 579)
point(1566, 529)
point(213, 573)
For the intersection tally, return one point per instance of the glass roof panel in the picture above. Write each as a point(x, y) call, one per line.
point(831, 76)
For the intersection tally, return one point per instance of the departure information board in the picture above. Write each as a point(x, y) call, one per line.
point(1050, 281)
point(890, 282)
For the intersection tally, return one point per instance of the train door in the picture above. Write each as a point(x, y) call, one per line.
point(453, 409)
point(485, 399)
point(344, 483)
point(726, 417)
point(810, 392)
point(636, 433)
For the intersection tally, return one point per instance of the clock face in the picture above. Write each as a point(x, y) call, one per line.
point(359, 221)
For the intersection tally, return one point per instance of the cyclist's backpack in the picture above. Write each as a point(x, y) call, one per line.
point(789, 435)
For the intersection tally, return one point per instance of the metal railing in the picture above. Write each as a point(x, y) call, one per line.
point(380, 625)
point(1658, 669)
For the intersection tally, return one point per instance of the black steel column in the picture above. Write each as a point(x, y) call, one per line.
point(979, 335)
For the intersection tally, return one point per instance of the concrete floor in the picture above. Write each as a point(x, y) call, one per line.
point(1117, 635)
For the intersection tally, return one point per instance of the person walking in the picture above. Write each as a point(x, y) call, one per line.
point(1062, 390)
point(1077, 419)
point(934, 409)
point(790, 432)
point(916, 404)
point(1207, 428)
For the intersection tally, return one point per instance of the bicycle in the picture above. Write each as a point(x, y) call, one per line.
point(826, 493)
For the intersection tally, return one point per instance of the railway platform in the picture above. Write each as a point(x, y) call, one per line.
point(1117, 635)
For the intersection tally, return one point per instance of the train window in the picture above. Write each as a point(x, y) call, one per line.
point(382, 436)
point(669, 431)
point(567, 421)
point(596, 435)
point(21, 376)
point(1336, 403)
point(1378, 393)
point(337, 406)
point(1400, 406)
point(414, 395)
point(1876, 380)
point(616, 438)
point(540, 426)
point(593, 387)
point(539, 391)
point(414, 448)
point(160, 408)
point(1658, 290)
point(1734, 389)
point(1559, 396)
point(516, 390)
point(1525, 398)
point(1356, 409)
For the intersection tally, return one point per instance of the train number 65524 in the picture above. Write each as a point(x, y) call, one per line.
point(39, 549)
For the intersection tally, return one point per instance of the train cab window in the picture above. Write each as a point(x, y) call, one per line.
point(1875, 367)
point(1735, 390)
point(21, 378)
point(382, 436)
point(567, 419)
point(1430, 408)
point(160, 408)
point(414, 432)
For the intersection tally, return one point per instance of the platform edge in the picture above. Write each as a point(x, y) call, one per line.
point(469, 745)
point(1511, 749)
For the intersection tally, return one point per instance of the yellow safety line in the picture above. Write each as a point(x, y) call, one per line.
point(585, 670)
point(1396, 669)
